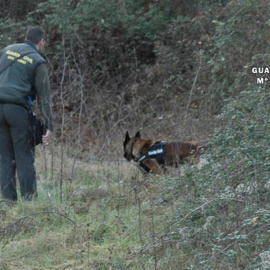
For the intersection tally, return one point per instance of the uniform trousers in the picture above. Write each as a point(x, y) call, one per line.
point(16, 153)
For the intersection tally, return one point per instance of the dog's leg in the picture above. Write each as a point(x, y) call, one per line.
point(196, 159)
point(153, 166)
point(197, 156)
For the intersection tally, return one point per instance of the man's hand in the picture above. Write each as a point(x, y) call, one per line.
point(46, 137)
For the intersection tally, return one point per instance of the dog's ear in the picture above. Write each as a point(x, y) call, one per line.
point(138, 134)
point(127, 139)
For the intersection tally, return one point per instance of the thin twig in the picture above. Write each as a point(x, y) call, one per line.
point(192, 89)
point(203, 205)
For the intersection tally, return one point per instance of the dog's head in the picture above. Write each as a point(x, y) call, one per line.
point(129, 144)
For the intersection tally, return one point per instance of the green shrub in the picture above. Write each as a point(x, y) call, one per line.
point(236, 46)
point(223, 213)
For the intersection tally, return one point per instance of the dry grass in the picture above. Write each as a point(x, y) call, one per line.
point(96, 226)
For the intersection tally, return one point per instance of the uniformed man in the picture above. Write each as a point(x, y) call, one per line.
point(23, 78)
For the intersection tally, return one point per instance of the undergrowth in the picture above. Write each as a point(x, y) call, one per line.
point(95, 210)
point(99, 214)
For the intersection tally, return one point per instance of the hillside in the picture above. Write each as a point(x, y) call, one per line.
point(173, 71)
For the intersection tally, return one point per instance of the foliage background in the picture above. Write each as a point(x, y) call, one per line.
point(175, 70)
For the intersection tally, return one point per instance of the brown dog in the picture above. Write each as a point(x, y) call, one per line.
point(153, 156)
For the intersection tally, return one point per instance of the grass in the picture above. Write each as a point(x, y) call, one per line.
point(104, 221)
point(108, 215)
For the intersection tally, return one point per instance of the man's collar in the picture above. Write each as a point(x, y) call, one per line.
point(31, 44)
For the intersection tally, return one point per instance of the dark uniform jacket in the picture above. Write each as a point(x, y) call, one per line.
point(17, 81)
point(25, 79)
